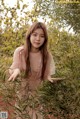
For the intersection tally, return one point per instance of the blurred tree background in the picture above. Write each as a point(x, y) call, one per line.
point(63, 26)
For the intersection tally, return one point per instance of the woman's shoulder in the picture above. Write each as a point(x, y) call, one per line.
point(19, 49)
point(50, 54)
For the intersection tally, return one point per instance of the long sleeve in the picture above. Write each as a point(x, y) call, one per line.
point(50, 67)
point(18, 60)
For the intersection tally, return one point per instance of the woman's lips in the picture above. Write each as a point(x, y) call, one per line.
point(37, 43)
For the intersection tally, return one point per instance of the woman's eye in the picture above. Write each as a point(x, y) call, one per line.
point(34, 34)
point(42, 36)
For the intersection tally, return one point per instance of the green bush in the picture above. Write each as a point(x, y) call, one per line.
point(61, 99)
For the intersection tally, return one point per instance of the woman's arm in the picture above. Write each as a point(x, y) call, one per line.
point(50, 68)
point(16, 66)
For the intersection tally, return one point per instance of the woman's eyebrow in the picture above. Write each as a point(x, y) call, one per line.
point(34, 32)
point(37, 33)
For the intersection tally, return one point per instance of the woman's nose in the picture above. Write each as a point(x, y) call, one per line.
point(38, 38)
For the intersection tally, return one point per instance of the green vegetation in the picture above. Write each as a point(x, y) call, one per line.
point(62, 98)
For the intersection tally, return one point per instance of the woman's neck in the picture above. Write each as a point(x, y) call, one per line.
point(34, 50)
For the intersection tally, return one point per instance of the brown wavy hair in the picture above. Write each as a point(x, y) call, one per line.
point(43, 48)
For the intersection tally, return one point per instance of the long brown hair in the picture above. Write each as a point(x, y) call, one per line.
point(43, 48)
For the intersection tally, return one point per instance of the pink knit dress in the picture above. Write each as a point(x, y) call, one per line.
point(34, 79)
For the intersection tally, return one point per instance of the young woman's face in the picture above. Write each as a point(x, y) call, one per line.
point(37, 39)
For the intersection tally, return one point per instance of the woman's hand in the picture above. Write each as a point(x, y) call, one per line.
point(54, 80)
point(13, 76)
point(50, 79)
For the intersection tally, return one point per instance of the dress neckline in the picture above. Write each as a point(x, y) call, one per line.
point(35, 52)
